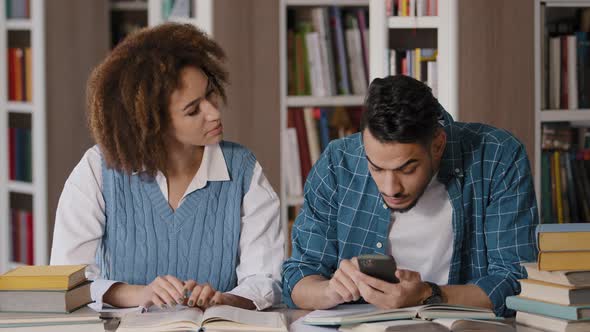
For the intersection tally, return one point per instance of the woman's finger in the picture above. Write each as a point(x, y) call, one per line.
point(205, 296)
point(192, 300)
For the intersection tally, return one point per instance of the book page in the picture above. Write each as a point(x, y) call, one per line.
point(461, 325)
point(269, 320)
point(183, 317)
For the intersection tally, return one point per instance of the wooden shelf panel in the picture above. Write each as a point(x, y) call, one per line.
point(21, 187)
point(565, 115)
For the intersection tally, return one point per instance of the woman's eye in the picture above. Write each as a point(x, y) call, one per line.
point(194, 111)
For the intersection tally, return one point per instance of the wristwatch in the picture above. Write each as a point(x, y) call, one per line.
point(436, 296)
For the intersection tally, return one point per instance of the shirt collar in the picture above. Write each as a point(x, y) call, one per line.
point(451, 164)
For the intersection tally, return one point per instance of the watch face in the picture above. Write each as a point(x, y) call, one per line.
point(434, 299)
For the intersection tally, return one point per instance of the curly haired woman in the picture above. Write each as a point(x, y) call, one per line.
point(163, 210)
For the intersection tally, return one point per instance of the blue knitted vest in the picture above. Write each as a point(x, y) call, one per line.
point(144, 238)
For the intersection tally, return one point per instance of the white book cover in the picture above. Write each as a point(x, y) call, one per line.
point(319, 25)
point(392, 63)
point(554, 72)
point(293, 167)
point(312, 41)
point(432, 68)
point(313, 137)
point(572, 73)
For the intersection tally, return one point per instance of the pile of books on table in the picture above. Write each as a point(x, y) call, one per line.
point(47, 298)
point(556, 295)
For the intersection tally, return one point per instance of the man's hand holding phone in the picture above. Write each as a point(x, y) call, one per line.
point(381, 284)
point(342, 288)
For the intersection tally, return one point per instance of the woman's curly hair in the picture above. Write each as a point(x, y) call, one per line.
point(129, 92)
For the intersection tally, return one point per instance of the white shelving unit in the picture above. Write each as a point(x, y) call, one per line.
point(446, 26)
point(38, 188)
point(203, 15)
point(379, 27)
point(577, 118)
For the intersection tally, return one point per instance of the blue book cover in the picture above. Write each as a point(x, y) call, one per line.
point(324, 130)
point(336, 18)
point(548, 309)
point(563, 228)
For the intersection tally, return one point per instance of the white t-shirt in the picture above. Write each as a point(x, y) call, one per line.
point(421, 239)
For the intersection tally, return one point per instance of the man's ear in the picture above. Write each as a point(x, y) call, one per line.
point(438, 143)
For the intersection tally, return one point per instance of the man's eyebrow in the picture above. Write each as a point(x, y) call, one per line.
point(411, 161)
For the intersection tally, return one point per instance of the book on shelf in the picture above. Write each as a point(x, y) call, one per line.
point(565, 181)
point(419, 63)
point(22, 232)
point(554, 293)
point(327, 51)
point(436, 325)
point(217, 318)
point(565, 48)
point(54, 277)
point(18, 9)
point(566, 278)
point(364, 313)
point(20, 154)
point(566, 312)
point(45, 301)
point(546, 323)
point(20, 74)
point(411, 7)
point(83, 319)
point(310, 130)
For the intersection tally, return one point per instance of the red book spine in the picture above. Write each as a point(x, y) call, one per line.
point(11, 74)
point(30, 238)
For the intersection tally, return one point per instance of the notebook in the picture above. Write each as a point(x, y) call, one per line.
point(56, 277)
point(218, 318)
point(364, 313)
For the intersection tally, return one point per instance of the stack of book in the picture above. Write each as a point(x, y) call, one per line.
point(46, 298)
point(556, 295)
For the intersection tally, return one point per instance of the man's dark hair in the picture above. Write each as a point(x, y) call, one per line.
point(401, 109)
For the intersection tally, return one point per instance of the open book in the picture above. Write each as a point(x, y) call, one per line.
point(364, 313)
point(218, 318)
point(437, 325)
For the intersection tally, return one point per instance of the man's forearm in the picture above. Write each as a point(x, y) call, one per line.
point(467, 295)
point(309, 293)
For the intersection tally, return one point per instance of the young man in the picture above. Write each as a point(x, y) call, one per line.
point(452, 202)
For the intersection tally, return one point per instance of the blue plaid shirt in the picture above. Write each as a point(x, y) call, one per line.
point(488, 178)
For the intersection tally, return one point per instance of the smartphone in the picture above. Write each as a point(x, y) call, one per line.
point(379, 266)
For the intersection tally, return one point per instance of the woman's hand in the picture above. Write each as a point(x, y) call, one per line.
point(163, 291)
point(202, 295)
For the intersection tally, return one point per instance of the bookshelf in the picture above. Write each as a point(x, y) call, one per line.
point(28, 195)
point(437, 31)
point(52, 111)
point(558, 106)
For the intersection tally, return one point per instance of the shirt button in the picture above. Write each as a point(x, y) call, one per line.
point(384, 206)
point(379, 245)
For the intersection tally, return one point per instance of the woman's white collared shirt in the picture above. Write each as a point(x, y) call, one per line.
point(80, 221)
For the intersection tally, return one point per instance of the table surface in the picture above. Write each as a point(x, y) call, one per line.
point(292, 315)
